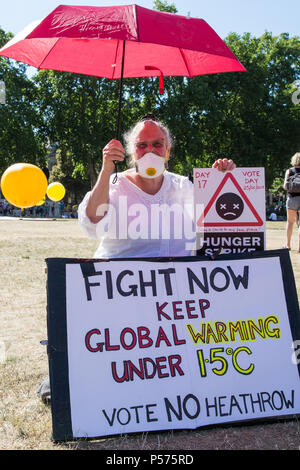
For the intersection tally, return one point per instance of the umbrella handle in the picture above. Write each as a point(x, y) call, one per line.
point(161, 77)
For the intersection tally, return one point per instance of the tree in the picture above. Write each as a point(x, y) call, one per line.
point(249, 117)
point(77, 113)
point(161, 5)
point(65, 172)
point(80, 113)
point(19, 118)
point(260, 118)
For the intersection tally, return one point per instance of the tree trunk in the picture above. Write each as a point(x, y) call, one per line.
point(92, 173)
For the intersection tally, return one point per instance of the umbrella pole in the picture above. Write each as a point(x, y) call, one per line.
point(120, 93)
point(119, 108)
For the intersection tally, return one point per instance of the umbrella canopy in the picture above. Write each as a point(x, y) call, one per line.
point(90, 40)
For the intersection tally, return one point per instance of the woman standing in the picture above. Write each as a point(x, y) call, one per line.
point(293, 202)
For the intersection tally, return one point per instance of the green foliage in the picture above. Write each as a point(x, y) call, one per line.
point(20, 120)
point(249, 117)
point(277, 186)
point(262, 117)
point(66, 172)
point(80, 114)
point(161, 5)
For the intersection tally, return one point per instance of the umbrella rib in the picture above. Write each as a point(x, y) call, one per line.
point(137, 23)
point(185, 62)
point(115, 61)
point(40, 66)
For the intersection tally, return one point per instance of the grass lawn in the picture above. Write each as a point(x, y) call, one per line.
point(25, 422)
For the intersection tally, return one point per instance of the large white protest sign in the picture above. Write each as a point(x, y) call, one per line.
point(229, 210)
point(157, 344)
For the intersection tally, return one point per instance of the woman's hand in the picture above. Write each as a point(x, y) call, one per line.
point(113, 151)
point(224, 165)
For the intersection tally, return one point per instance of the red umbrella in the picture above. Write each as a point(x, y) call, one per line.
point(122, 41)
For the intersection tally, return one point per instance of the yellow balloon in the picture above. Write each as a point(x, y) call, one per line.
point(56, 191)
point(23, 185)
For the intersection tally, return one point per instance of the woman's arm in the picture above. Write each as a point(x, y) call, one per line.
point(287, 173)
point(99, 196)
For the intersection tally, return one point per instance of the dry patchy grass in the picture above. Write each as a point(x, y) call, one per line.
point(25, 422)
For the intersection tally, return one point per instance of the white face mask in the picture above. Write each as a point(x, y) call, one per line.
point(150, 165)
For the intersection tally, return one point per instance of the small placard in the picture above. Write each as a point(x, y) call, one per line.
point(229, 210)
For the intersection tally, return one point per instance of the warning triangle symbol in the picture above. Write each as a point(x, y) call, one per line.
point(257, 222)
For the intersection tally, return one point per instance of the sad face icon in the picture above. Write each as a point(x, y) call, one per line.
point(229, 206)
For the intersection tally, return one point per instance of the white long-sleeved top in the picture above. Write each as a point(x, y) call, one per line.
point(138, 224)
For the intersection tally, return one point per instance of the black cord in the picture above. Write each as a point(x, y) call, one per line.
point(116, 174)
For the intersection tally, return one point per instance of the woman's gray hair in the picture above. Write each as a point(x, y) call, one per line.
point(295, 161)
point(131, 136)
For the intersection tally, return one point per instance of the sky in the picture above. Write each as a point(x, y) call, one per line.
point(224, 16)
